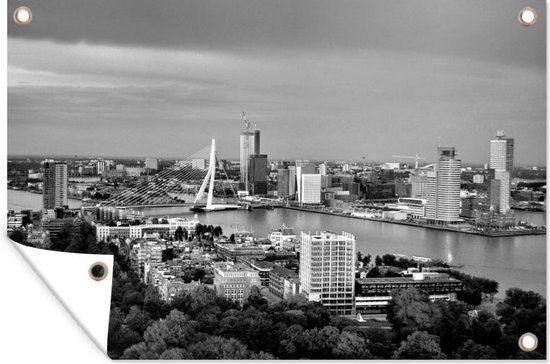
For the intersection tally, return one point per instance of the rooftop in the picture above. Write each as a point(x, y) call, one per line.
point(284, 272)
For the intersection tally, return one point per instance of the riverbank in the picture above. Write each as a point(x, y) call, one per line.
point(491, 234)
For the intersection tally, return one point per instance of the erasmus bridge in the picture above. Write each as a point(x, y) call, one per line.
point(188, 179)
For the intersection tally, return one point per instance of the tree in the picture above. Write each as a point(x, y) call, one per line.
point(519, 298)
point(351, 346)
point(388, 259)
point(486, 329)
point(178, 234)
point(168, 254)
point(470, 350)
point(176, 331)
point(374, 273)
point(137, 320)
point(379, 342)
point(378, 260)
point(175, 354)
point(420, 345)
point(232, 238)
point(366, 259)
point(215, 347)
point(412, 311)
point(453, 325)
point(17, 236)
point(255, 299)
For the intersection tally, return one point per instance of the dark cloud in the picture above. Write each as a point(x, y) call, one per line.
point(467, 28)
point(334, 79)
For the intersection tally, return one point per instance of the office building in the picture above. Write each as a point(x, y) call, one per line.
point(310, 189)
point(291, 180)
point(257, 174)
point(501, 163)
point(199, 163)
point(283, 183)
point(249, 144)
point(302, 167)
point(56, 225)
point(234, 281)
point(283, 282)
point(151, 163)
point(101, 167)
point(55, 185)
point(327, 270)
point(137, 231)
point(234, 252)
point(443, 188)
point(373, 295)
point(418, 185)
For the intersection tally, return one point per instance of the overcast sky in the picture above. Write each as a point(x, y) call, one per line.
point(323, 79)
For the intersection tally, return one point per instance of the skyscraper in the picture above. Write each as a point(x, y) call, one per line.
point(55, 185)
point(418, 185)
point(246, 149)
point(310, 190)
point(283, 183)
point(101, 166)
point(443, 188)
point(291, 180)
point(302, 167)
point(501, 163)
point(249, 145)
point(327, 270)
point(257, 174)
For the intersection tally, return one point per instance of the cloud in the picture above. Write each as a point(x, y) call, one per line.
point(133, 100)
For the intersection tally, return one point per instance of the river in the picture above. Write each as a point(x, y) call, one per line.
point(512, 261)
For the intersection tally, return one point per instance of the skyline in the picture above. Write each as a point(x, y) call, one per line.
point(118, 89)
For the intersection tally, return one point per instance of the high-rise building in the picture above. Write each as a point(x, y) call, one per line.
point(302, 167)
point(257, 174)
point(501, 163)
point(443, 188)
point(151, 163)
point(248, 146)
point(291, 180)
point(323, 169)
point(418, 185)
point(55, 185)
point(101, 166)
point(310, 191)
point(283, 182)
point(256, 149)
point(327, 270)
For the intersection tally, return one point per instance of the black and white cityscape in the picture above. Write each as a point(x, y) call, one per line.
point(289, 180)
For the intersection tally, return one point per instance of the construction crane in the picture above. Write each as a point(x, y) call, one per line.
point(416, 159)
point(246, 122)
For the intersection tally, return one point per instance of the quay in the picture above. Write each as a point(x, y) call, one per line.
point(501, 233)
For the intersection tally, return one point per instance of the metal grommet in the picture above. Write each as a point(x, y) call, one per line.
point(98, 271)
point(527, 16)
point(528, 342)
point(22, 15)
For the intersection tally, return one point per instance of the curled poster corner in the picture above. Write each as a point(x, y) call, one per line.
point(66, 275)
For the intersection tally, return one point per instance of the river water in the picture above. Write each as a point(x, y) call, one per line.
point(512, 261)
